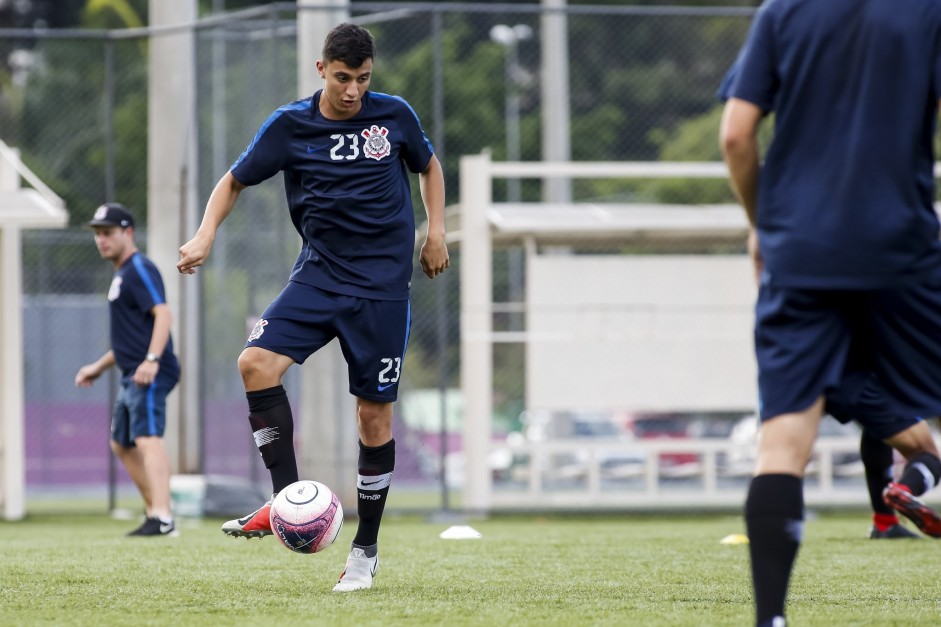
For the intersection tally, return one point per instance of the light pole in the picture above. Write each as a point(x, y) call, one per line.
point(509, 37)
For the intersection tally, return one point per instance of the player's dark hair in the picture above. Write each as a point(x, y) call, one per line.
point(350, 44)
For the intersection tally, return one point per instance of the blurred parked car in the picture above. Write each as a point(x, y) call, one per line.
point(663, 427)
point(620, 461)
point(745, 436)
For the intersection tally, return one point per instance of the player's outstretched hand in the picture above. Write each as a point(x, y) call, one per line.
point(86, 376)
point(193, 254)
point(434, 256)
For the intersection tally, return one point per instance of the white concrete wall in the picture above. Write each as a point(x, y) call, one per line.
point(658, 333)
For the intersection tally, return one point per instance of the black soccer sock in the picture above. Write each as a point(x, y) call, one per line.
point(273, 428)
point(774, 518)
point(372, 486)
point(921, 473)
point(877, 461)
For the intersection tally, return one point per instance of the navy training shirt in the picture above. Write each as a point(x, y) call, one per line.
point(347, 189)
point(846, 194)
point(135, 289)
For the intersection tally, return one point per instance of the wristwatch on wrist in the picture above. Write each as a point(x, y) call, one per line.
point(152, 357)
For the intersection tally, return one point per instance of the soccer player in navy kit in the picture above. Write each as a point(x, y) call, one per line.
point(844, 238)
point(142, 348)
point(345, 153)
point(846, 402)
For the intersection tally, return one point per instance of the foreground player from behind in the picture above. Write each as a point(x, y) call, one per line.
point(876, 455)
point(844, 234)
point(142, 348)
point(344, 153)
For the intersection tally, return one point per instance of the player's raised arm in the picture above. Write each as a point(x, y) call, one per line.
point(434, 251)
point(195, 252)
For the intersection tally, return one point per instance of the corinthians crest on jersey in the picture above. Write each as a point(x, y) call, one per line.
point(376, 146)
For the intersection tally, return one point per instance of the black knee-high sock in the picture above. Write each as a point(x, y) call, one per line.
point(921, 473)
point(774, 517)
point(877, 461)
point(273, 428)
point(372, 486)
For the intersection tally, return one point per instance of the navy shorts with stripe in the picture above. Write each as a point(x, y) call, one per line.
point(373, 334)
point(140, 410)
point(874, 354)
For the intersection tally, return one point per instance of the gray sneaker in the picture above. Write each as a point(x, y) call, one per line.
point(895, 532)
point(359, 572)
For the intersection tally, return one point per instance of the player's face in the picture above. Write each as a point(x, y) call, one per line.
point(343, 88)
point(112, 241)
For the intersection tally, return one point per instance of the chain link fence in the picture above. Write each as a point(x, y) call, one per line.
point(642, 88)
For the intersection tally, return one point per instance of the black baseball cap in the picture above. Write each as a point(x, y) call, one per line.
point(112, 214)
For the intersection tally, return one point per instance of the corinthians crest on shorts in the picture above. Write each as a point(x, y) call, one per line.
point(377, 146)
point(257, 330)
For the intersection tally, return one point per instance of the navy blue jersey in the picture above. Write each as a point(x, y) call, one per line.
point(347, 189)
point(846, 192)
point(135, 289)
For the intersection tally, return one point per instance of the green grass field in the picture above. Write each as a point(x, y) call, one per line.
point(606, 570)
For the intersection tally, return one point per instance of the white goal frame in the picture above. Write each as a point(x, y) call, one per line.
point(36, 207)
point(483, 223)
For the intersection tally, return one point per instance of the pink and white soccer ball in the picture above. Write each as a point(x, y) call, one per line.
point(306, 517)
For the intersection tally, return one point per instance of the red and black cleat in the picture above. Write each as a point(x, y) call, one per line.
point(898, 497)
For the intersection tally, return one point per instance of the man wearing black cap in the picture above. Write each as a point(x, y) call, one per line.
point(142, 348)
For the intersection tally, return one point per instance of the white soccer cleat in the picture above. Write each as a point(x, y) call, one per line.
point(359, 572)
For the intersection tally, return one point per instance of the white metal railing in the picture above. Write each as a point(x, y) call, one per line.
point(640, 478)
point(617, 169)
point(608, 169)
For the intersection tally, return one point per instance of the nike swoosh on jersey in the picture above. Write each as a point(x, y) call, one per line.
point(383, 388)
point(313, 150)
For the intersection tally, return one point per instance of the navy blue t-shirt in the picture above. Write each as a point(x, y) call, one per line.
point(347, 189)
point(135, 289)
point(846, 193)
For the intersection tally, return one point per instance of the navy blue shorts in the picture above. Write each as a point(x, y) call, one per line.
point(862, 398)
point(140, 410)
point(373, 334)
point(875, 354)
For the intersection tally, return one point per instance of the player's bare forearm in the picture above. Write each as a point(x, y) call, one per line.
point(147, 370)
point(163, 320)
point(195, 252)
point(88, 373)
point(744, 169)
point(739, 141)
point(434, 257)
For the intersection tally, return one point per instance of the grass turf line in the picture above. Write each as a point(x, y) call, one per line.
point(610, 570)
